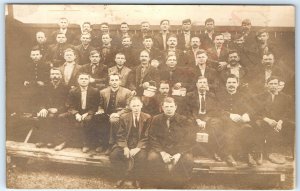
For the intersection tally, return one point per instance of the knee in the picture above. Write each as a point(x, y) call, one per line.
point(153, 157)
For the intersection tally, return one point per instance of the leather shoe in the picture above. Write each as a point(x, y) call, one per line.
point(85, 149)
point(258, 158)
point(230, 161)
point(60, 147)
point(108, 151)
point(39, 145)
point(119, 184)
point(276, 158)
point(251, 162)
point(217, 157)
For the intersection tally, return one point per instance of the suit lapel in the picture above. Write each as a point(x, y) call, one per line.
point(107, 97)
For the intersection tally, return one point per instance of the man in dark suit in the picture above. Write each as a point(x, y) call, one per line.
point(143, 74)
point(262, 72)
point(184, 38)
point(207, 36)
point(154, 53)
point(123, 32)
point(70, 69)
point(248, 34)
point(190, 54)
point(161, 38)
point(172, 49)
point(129, 51)
point(56, 51)
point(171, 138)
point(201, 69)
point(63, 28)
point(203, 109)
point(139, 37)
point(275, 119)
point(120, 69)
point(96, 69)
point(42, 44)
point(36, 75)
point(238, 134)
point(218, 53)
point(129, 154)
point(83, 103)
point(107, 50)
point(113, 103)
point(52, 107)
point(83, 50)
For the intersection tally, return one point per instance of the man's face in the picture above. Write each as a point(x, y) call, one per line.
point(233, 59)
point(272, 86)
point(231, 84)
point(114, 81)
point(201, 59)
point(246, 27)
point(106, 39)
point(104, 29)
point(126, 42)
point(63, 23)
point(83, 80)
point(144, 57)
point(219, 40)
point(239, 42)
point(136, 106)
point(171, 61)
point(40, 37)
point(172, 42)
point(268, 60)
point(202, 85)
point(195, 42)
point(145, 27)
point(124, 28)
point(69, 56)
point(35, 55)
point(164, 26)
point(120, 60)
point(95, 58)
point(210, 26)
point(55, 75)
point(169, 108)
point(85, 39)
point(263, 37)
point(164, 89)
point(186, 26)
point(61, 38)
point(148, 43)
point(86, 28)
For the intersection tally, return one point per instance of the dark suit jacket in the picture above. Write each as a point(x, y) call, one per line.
point(75, 73)
point(137, 40)
point(56, 53)
point(108, 55)
point(39, 72)
point(282, 108)
point(69, 34)
point(131, 56)
point(100, 74)
point(181, 60)
point(155, 54)
point(206, 42)
point(158, 40)
point(83, 54)
point(214, 59)
point(211, 75)
point(193, 105)
point(126, 125)
point(122, 99)
point(242, 78)
point(136, 80)
point(44, 48)
point(179, 138)
point(124, 74)
point(74, 101)
point(181, 40)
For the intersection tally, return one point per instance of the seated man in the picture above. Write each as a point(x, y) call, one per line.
point(113, 103)
point(171, 140)
point(83, 103)
point(53, 101)
point(238, 134)
point(129, 155)
point(275, 119)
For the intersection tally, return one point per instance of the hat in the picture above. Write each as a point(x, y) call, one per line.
point(246, 21)
point(150, 91)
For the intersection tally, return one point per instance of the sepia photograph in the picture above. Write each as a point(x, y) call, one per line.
point(116, 96)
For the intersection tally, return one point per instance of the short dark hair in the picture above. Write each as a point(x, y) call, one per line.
point(217, 34)
point(201, 51)
point(36, 49)
point(232, 52)
point(209, 20)
point(172, 36)
point(86, 22)
point(83, 73)
point(148, 37)
point(135, 98)
point(163, 82)
point(232, 76)
point(164, 20)
point(186, 21)
point(273, 78)
point(94, 52)
point(168, 100)
point(124, 23)
point(104, 23)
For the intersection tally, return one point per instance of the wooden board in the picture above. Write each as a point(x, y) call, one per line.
point(75, 156)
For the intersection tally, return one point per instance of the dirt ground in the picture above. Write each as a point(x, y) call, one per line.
point(42, 175)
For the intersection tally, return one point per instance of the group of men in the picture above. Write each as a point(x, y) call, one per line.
point(143, 98)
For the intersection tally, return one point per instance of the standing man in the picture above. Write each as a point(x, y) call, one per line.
point(190, 54)
point(83, 103)
point(83, 50)
point(42, 44)
point(107, 50)
point(207, 36)
point(184, 39)
point(129, 51)
point(171, 140)
point(248, 34)
point(139, 37)
point(129, 154)
point(172, 49)
point(96, 69)
point(162, 37)
point(63, 24)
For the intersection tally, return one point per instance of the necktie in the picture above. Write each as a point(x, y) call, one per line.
point(171, 75)
point(136, 122)
point(143, 72)
point(83, 99)
point(202, 104)
point(168, 123)
point(94, 68)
